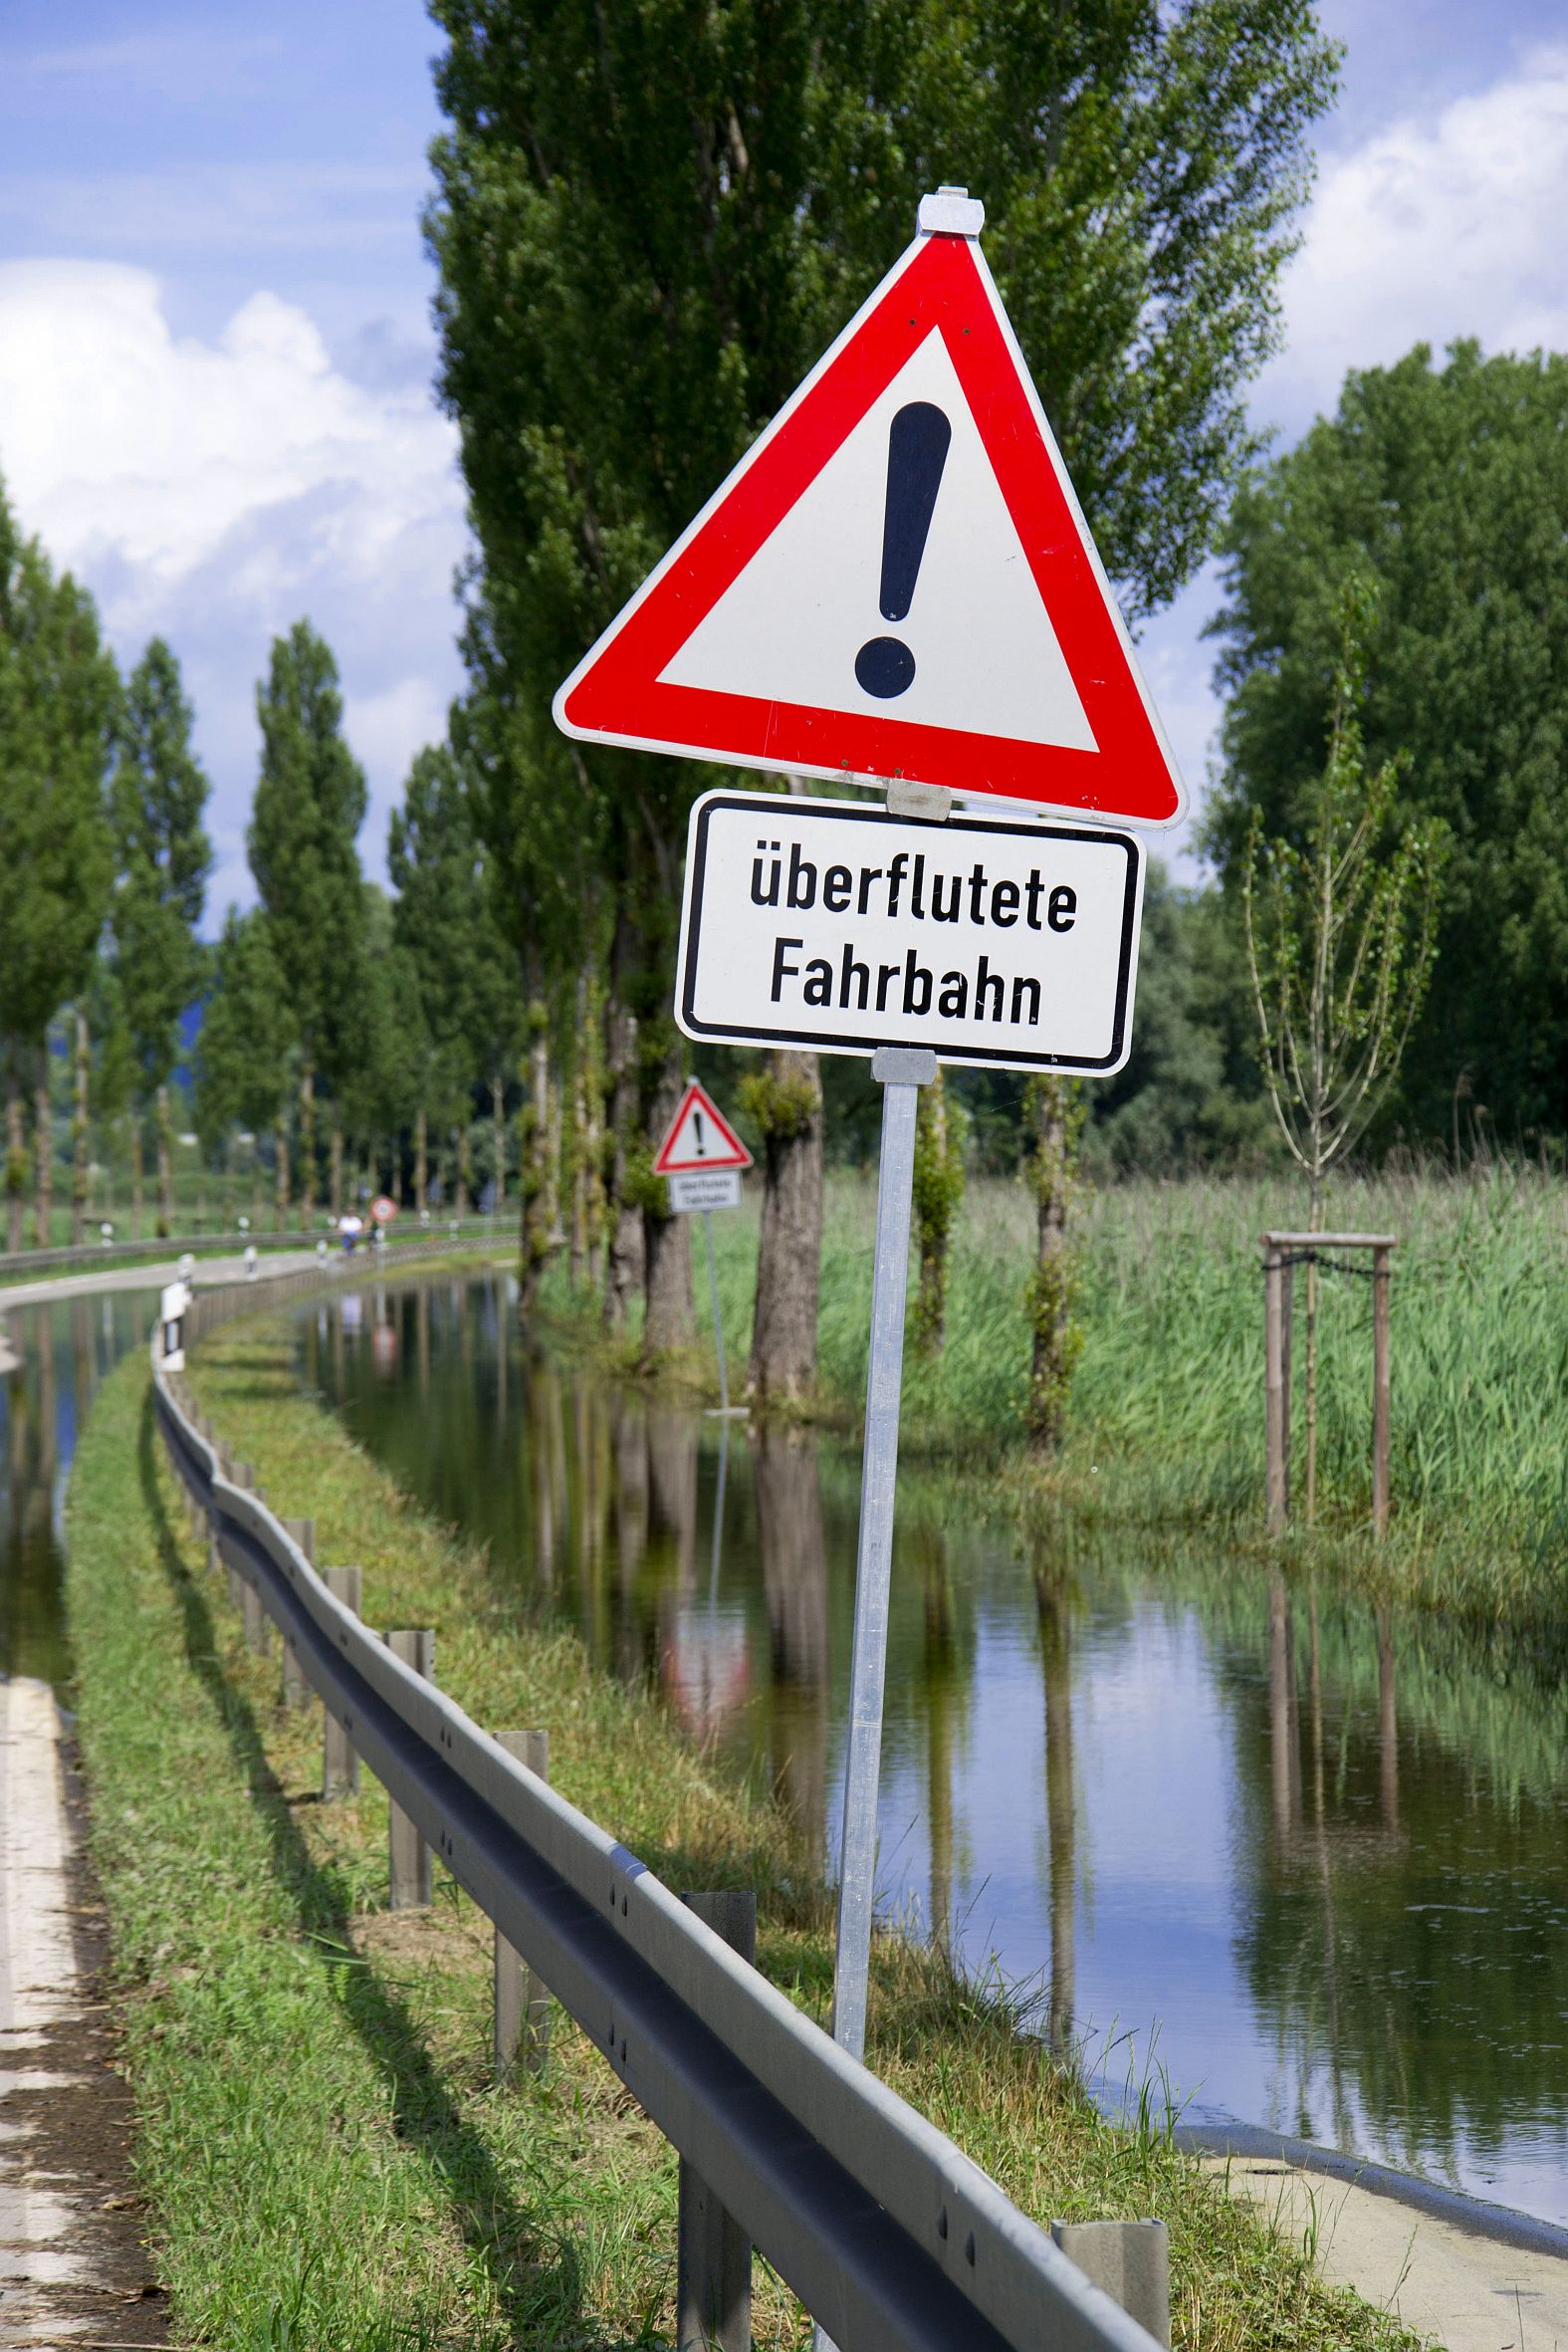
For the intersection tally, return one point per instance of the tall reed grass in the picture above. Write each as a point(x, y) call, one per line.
point(1166, 1414)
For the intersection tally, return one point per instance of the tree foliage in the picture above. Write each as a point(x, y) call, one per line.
point(310, 803)
point(243, 1054)
point(157, 798)
point(59, 694)
point(1340, 934)
point(1446, 487)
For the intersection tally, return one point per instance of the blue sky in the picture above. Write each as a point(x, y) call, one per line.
point(215, 348)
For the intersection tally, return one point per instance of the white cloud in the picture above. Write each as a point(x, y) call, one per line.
point(216, 491)
point(1428, 231)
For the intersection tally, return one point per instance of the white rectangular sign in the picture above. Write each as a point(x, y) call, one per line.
point(717, 1188)
point(828, 925)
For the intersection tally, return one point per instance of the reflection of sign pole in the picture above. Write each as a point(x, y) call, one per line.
point(702, 1156)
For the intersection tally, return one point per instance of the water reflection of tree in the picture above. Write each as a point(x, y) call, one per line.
point(1433, 2007)
point(789, 1500)
point(1055, 1617)
point(32, 1639)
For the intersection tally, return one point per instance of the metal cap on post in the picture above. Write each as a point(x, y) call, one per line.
point(1131, 2260)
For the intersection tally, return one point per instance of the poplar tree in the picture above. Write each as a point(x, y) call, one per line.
point(466, 971)
point(157, 798)
point(242, 1059)
point(58, 699)
point(310, 803)
point(649, 222)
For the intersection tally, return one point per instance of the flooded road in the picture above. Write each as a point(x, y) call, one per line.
point(52, 1358)
point(1301, 1861)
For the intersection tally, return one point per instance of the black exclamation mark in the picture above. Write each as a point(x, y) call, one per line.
point(702, 1148)
point(917, 452)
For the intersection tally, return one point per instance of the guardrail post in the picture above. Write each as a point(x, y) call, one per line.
point(340, 1757)
point(522, 2003)
point(296, 1690)
point(713, 2273)
point(408, 1856)
point(1131, 2260)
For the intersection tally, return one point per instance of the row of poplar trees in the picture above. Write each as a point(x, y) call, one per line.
point(648, 222)
point(103, 865)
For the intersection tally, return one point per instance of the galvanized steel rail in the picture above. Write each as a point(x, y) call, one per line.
point(887, 2233)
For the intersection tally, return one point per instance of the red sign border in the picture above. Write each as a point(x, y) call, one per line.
point(697, 1094)
point(617, 694)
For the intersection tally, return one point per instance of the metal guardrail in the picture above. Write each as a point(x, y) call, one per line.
point(887, 2233)
point(471, 1232)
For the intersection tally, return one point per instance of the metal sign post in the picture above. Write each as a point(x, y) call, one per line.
point(701, 1158)
point(718, 1320)
point(901, 1071)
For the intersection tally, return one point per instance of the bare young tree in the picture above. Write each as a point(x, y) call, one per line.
point(1341, 937)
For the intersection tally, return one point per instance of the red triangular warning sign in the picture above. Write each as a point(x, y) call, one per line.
point(896, 580)
point(699, 1136)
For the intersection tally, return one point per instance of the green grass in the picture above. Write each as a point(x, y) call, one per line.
point(327, 2160)
point(1165, 1421)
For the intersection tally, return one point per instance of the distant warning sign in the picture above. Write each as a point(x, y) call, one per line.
point(896, 580)
point(700, 1139)
point(826, 924)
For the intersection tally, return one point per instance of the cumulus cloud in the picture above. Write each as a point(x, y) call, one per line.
point(1428, 231)
point(215, 491)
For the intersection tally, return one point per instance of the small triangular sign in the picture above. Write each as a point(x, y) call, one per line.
point(699, 1136)
point(896, 580)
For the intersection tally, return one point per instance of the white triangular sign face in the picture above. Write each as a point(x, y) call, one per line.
point(895, 582)
point(698, 1137)
point(986, 659)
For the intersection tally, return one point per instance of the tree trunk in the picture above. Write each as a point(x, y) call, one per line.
point(534, 1176)
point(670, 1324)
point(422, 1161)
point(498, 1120)
point(462, 1171)
point(1314, 1225)
point(577, 1207)
point(788, 1102)
point(78, 1132)
point(165, 1167)
point(15, 1148)
point(939, 1187)
point(1057, 1114)
point(44, 1148)
point(336, 1162)
point(281, 1147)
point(135, 1172)
point(626, 1258)
point(307, 1138)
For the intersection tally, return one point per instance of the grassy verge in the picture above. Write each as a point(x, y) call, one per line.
point(327, 2161)
point(1165, 1422)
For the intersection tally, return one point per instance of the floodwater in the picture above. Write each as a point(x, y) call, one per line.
point(52, 1359)
point(1293, 1861)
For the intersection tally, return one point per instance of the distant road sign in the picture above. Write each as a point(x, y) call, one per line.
point(897, 579)
point(699, 1139)
point(829, 925)
point(700, 1192)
